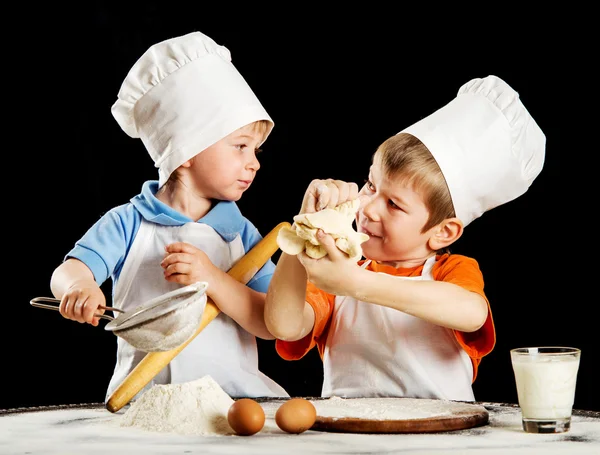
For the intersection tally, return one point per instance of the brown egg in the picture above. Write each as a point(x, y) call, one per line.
point(246, 417)
point(296, 415)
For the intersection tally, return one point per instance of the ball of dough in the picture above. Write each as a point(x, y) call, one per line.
point(336, 222)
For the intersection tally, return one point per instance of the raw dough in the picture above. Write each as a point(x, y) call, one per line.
point(337, 222)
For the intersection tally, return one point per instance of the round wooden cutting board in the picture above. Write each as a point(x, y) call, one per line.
point(396, 415)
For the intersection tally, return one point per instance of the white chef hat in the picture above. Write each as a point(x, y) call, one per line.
point(183, 95)
point(487, 145)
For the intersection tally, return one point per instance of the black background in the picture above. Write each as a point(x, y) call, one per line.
point(337, 83)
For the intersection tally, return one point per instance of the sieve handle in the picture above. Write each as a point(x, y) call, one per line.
point(36, 302)
point(154, 362)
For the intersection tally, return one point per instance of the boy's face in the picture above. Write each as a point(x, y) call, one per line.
point(227, 168)
point(393, 215)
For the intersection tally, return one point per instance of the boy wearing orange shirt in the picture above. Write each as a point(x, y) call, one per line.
point(412, 320)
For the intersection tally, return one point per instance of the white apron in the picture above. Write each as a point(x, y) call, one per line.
point(223, 350)
point(375, 351)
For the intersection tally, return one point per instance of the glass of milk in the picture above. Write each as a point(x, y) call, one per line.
point(545, 379)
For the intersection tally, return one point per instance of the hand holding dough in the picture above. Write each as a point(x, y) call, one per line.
point(336, 222)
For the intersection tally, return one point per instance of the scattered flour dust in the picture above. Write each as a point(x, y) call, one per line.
point(390, 408)
point(197, 407)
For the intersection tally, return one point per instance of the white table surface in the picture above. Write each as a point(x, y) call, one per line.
point(91, 429)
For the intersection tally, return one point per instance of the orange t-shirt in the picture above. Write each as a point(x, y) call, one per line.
point(452, 268)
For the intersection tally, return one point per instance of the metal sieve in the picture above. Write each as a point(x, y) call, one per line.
point(160, 324)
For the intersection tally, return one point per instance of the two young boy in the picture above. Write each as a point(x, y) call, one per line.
point(410, 320)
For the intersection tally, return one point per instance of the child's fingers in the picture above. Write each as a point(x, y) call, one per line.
point(71, 307)
point(175, 258)
point(321, 195)
point(180, 247)
point(89, 309)
point(347, 191)
point(177, 268)
point(304, 259)
point(66, 306)
point(181, 278)
point(311, 201)
point(312, 195)
point(328, 242)
point(329, 195)
point(343, 191)
point(337, 192)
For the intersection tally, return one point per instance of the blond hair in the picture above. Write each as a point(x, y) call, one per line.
point(406, 158)
point(262, 127)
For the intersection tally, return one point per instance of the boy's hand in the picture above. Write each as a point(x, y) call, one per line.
point(81, 301)
point(334, 273)
point(184, 263)
point(329, 193)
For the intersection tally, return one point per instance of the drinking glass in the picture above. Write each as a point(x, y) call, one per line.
point(545, 378)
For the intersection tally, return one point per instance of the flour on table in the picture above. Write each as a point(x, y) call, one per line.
point(69, 430)
point(388, 408)
point(197, 407)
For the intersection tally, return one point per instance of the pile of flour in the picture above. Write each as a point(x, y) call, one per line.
point(192, 408)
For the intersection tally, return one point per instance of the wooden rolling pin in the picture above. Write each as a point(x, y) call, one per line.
point(154, 362)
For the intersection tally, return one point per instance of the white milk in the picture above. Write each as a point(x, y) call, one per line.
point(545, 385)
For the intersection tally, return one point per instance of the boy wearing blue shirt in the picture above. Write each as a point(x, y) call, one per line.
point(203, 126)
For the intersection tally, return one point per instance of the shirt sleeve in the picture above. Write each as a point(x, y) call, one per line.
point(250, 237)
point(322, 303)
point(465, 272)
point(104, 246)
